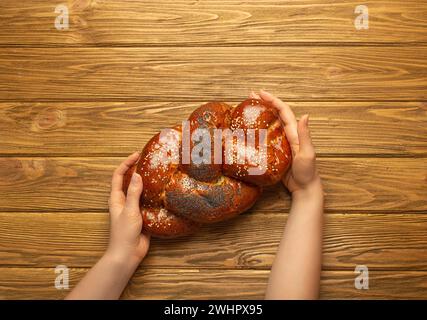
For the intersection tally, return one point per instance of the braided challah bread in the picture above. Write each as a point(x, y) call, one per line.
point(210, 168)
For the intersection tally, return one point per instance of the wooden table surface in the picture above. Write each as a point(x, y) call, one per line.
point(74, 103)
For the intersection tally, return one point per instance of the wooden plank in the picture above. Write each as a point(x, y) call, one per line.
point(209, 73)
point(79, 184)
point(38, 283)
point(97, 128)
point(382, 285)
point(127, 22)
point(380, 241)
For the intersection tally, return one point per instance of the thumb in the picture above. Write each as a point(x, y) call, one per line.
point(305, 144)
point(134, 193)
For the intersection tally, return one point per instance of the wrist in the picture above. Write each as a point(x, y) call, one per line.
point(122, 258)
point(310, 190)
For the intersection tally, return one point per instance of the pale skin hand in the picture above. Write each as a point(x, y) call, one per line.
point(295, 273)
point(127, 246)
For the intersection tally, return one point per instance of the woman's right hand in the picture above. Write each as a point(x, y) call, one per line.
point(303, 173)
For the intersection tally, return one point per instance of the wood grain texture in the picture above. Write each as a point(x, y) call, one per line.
point(78, 184)
point(381, 241)
point(118, 128)
point(210, 73)
point(38, 283)
point(127, 22)
point(74, 103)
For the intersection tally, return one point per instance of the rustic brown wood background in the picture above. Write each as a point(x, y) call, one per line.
point(74, 103)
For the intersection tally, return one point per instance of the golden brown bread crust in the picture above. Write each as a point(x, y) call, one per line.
point(162, 223)
point(254, 114)
point(179, 194)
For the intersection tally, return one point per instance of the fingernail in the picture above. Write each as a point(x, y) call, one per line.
point(306, 120)
point(136, 178)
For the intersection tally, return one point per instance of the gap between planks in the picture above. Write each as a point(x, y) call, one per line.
point(326, 211)
point(226, 45)
point(124, 155)
point(142, 267)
